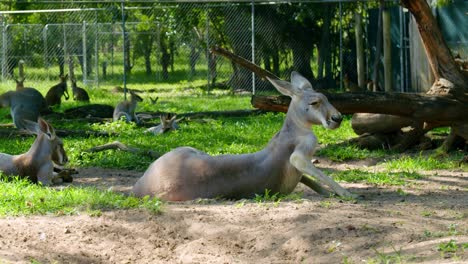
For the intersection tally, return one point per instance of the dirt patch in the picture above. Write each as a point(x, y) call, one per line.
point(400, 223)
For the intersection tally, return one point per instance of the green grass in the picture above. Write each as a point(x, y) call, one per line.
point(20, 197)
point(422, 162)
point(378, 178)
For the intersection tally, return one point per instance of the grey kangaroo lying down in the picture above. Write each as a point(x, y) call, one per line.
point(186, 173)
point(37, 163)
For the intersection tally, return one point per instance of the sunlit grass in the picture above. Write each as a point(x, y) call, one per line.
point(20, 197)
point(422, 162)
point(378, 178)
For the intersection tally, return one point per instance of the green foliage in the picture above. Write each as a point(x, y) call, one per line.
point(348, 152)
point(450, 246)
point(268, 197)
point(387, 258)
point(421, 162)
point(20, 197)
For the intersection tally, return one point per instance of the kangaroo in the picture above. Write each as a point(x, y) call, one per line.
point(79, 94)
point(53, 96)
point(186, 173)
point(168, 123)
point(35, 95)
point(37, 164)
point(127, 108)
point(22, 107)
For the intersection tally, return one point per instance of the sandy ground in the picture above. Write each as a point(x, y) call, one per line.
point(403, 224)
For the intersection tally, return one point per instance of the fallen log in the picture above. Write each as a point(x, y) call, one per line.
point(117, 145)
point(232, 113)
point(437, 110)
point(10, 132)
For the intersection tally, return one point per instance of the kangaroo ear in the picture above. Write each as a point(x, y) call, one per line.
point(284, 87)
point(300, 81)
point(46, 128)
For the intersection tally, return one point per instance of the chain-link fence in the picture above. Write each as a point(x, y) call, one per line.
point(169, 41)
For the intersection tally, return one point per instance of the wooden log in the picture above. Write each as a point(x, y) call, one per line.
point(437, 110)
point(120, 146)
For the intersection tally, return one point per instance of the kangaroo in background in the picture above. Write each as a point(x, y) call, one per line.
point(35, 95)
point(127, 108)
point(37, 164)
point(186, 173)
point(79, 94)
point(54, 95)
point(168, 123)
point(23, 106)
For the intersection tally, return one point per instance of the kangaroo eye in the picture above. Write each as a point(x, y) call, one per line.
point(315, 103)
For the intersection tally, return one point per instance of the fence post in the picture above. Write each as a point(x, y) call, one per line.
point(44, 40)
point(84, 54)
point(207, 40)
point(124, 34)
point(4, 50)
point(253, 42)
point(341, 47)
point(96, 52)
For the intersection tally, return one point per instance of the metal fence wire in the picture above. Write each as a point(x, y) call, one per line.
point(169, 41)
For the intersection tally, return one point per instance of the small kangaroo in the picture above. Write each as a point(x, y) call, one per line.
point(35, 95)
point(53, 96)
point(168, 123)
point(37, 164)
point(127, 108)
point(79, 94)
point(22, 107)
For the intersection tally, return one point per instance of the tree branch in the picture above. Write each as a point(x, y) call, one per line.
point(120, 146)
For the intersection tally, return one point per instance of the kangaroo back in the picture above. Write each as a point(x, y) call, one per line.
point(23, 106)
point(33, 95)
point(54, 95)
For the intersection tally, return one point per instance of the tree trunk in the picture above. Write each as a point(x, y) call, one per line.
point(360, 52)
point(324, 48)
point(387, 50)
point(375, 74)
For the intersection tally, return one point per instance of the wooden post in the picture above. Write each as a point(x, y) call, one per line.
point(387, 50)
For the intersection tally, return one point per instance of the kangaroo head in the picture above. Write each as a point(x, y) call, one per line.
point(135, 97)
point(307, 105)
point(168, 122)
point(46, 132)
